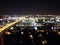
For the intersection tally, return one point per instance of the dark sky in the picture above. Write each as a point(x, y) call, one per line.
point(29, 7)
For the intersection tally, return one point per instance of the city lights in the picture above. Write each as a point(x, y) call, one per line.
point(22, 32)
point(8, 33)
point(31, 30)
point(44, 42)
point(31, 36)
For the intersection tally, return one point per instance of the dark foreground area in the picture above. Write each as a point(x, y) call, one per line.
point(28, 36)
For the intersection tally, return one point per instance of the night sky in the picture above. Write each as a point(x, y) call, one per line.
point(29, 7)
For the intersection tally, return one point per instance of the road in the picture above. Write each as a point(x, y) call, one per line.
point(11, 24)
